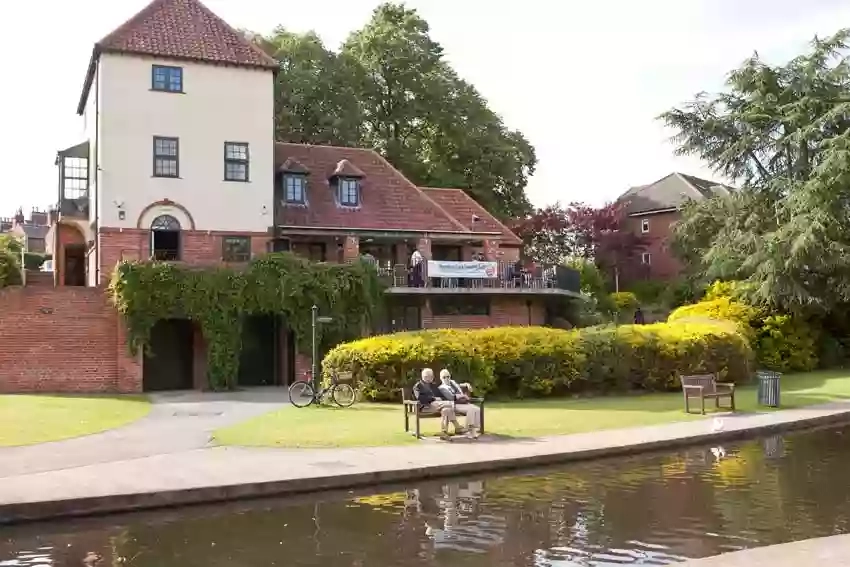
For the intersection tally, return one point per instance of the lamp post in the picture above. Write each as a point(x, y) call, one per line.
point(316, 320)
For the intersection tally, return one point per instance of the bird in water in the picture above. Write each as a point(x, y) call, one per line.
point(718, 452)
point(91, 559)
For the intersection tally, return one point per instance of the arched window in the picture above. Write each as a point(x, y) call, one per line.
point(165, 238)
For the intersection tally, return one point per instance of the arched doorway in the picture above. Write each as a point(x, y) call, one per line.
point(70, 255)
point(165, 238)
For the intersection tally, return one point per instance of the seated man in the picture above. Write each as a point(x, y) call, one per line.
point(430, 398)
point(454, 391)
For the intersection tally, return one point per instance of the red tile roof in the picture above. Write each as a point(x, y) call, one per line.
point(389, 201)
point(462, 207)
point(179, 29)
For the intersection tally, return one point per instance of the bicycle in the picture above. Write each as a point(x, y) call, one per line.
point(302, 393)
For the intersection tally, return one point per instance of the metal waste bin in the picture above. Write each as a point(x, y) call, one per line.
point(768, 393)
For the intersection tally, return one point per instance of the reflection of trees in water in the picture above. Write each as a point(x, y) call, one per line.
point(643, 509)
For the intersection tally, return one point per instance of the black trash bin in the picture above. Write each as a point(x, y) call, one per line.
point(768, 393)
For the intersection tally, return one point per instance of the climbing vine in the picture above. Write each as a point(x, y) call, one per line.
point(218, 299)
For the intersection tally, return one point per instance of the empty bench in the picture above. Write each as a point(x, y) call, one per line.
point(706, 386)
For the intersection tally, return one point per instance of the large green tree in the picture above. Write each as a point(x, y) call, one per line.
point(391, 88)
point(783, 133)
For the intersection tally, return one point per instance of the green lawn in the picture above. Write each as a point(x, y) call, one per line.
point(381, 424)
point(30, 419)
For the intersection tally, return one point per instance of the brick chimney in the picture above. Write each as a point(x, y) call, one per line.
point(53, 216)
point(38, 218)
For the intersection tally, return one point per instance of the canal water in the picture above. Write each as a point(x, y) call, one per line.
point(649, 510)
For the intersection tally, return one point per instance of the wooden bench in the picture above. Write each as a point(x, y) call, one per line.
point(704, 386)
point(411, 409)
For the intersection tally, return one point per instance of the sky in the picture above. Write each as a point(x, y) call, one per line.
point(584, 81)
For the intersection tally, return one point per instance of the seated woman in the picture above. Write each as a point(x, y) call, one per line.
point(431, 398)
point(451, 390)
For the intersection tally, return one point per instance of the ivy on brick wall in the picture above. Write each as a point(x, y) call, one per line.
point(218, 300)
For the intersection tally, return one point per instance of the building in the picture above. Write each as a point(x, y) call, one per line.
point(180, 164)
point(653, 211)
point(33, 232)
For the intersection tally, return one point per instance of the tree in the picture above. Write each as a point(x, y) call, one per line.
point(555, 234)
point(391, 88)
point(784, 133)
point(546, 235)
point(600, 234)
point(316, 91)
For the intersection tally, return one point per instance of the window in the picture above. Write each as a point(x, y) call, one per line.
point(442, 306)
point(235, 161)
point(646, 258)
point(76, 172)
point(166, 157)
point(294, 187)
point(236, 248)
point(167, 79)
point(165, 238)
point(349, 192)
point(644, 226)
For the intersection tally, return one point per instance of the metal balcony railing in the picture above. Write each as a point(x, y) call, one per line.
point(478, 275)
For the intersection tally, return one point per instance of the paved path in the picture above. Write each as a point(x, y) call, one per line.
point(831, 551)
point(178, 421)
point(132, 469)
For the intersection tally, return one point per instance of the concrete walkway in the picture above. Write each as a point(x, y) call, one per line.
point(831, 551)
point(178, 421)
point(153, 464)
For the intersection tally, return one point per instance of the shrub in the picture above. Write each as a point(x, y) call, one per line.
point(33, 261)
point(648, 291)
point(624, 301)
point(10, 269)
point(538, 361)
point(781, 342)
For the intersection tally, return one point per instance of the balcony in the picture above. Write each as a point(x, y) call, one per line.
point(445, 277)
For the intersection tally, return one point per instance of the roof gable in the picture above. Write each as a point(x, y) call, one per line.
point(463, 208)
point(388, 200)
point(670, 192)
point(178, 29)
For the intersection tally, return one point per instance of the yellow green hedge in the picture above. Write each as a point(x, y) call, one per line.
point(538, 361)
point(781, 342)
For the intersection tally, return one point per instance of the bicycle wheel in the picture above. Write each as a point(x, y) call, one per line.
point(301, 393)
point(344, 395)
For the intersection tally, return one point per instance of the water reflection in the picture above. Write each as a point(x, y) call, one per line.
point(651, 510)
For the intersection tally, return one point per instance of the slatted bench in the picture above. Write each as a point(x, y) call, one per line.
point(704, 386)
point(411, 409)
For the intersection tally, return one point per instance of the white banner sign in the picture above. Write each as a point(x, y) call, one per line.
point(438, 269)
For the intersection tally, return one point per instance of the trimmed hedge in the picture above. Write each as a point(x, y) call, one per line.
point(539, 361)
point(781, 342)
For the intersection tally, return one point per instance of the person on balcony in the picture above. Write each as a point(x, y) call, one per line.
point(431, 399)
point(417, 269)
point(460, 394)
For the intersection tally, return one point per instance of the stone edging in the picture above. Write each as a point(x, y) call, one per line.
point(75, 507)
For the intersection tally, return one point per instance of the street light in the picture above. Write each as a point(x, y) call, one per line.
point(316, 320)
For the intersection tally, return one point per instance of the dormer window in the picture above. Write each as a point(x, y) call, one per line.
point(295, 188)
point(349, 191)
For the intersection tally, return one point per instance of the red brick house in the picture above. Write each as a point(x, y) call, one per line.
point(180, 165)
point(654, 209)
point(32, 232)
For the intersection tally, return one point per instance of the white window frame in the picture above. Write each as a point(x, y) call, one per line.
point(646, 258)
point(644, 226)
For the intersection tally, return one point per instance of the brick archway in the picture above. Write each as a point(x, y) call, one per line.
point(150, 212)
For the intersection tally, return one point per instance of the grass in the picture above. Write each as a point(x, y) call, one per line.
point(30, 419)
point(381, 424)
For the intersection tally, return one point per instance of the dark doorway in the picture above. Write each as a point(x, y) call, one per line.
point(165, 238)
point(168, 362)
point(258, 360)
point(405, 315)
point(446, 253)
point(75, 265)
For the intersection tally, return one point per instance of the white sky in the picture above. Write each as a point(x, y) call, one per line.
point(583, 80)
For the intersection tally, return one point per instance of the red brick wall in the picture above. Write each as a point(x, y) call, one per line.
point(197, 246)
point(65, 339)
point(664, 265)
point(504, 311)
